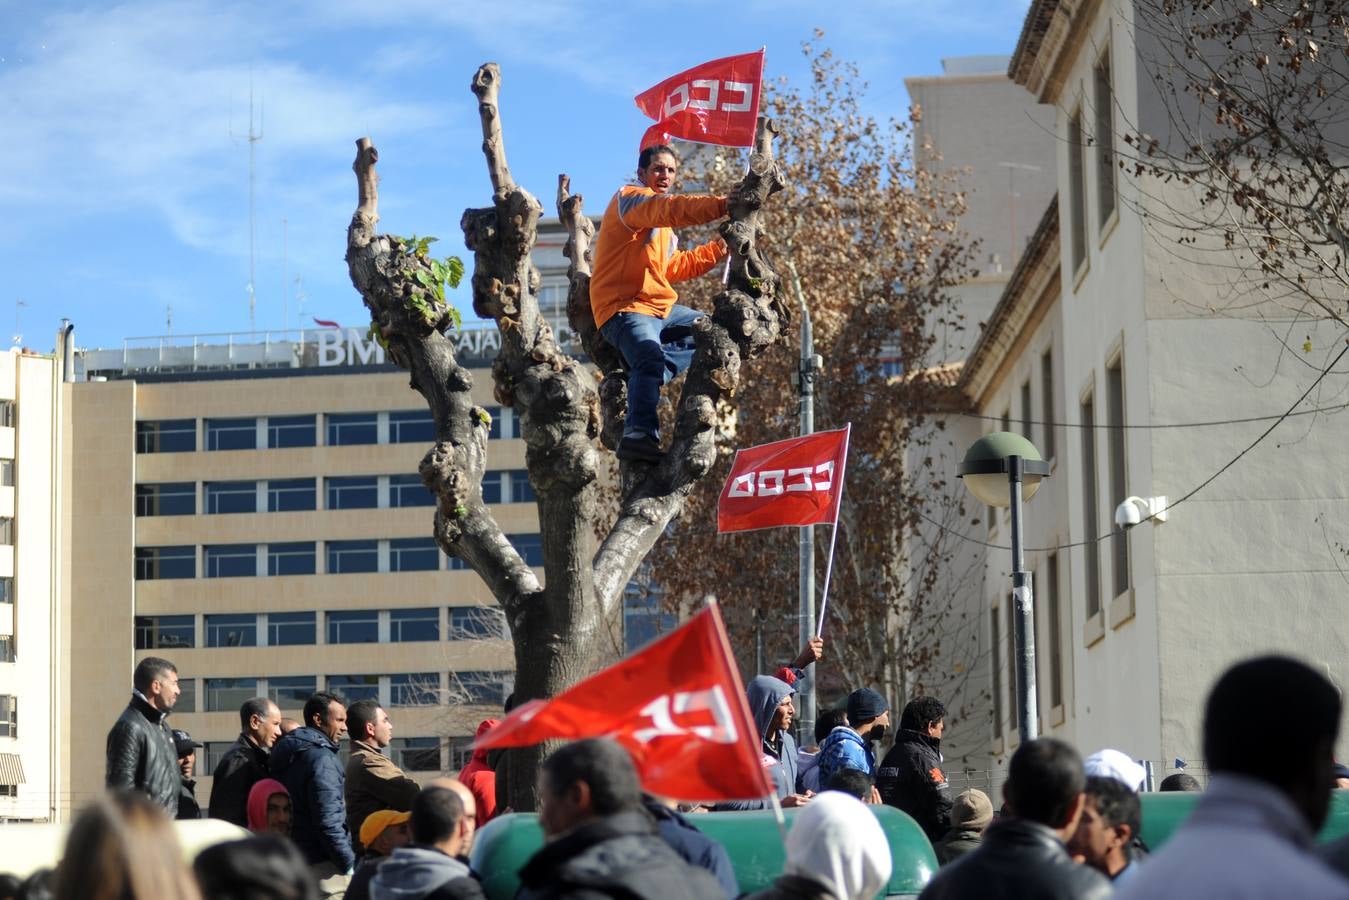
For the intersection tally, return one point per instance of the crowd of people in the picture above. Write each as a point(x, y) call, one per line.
point(1066, 827)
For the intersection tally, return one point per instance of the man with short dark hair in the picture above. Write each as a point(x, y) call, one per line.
point(850, 746)
point(188, 807)
point(600, 842)
point(910, 777)
point(245, 763)
point(141, 754)
point(1180, 781)
point(1270, 726)
point(853, 782)
point(808, 758)
point(1022, 854)
point(1111, 819)
point(306, 762)
point(373, 781)
point(631, 297)
point(429, 868)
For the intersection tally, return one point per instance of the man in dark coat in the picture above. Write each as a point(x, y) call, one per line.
point(910, 777)
point(1023, 853)
point(601, 843)
point(245, 763)
point(306, 762)
point(970, 815)
point(188, 807)
point(694, 847)
point(141, 755)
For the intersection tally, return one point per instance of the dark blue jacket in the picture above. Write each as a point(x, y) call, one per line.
point(843, 748)
point(765, 693)
point(306, 762)
point(694, 847)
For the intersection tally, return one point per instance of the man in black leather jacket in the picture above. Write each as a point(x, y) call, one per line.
point(1023, 854)
point(910, 776)
point(141, 752)
point(601, 843)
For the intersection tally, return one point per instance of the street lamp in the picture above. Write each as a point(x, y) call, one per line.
point(998, 469)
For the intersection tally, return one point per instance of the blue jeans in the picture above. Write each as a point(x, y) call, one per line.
point(655, 350)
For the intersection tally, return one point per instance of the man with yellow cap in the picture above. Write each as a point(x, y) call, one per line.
point(382, 832)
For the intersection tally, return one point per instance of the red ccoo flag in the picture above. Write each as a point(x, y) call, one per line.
point(679, 708)
point(793, 482)
point(715, 103)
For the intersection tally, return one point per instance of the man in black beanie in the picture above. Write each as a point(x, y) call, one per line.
point(849, 746)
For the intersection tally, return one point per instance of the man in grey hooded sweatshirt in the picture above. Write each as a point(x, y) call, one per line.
point(770, 701)
point(427, 869)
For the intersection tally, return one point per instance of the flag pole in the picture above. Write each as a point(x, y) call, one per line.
point(779, 817)
point(833, 535)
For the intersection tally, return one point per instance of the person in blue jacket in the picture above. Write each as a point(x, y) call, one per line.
point(306, 762)
point(849, 746)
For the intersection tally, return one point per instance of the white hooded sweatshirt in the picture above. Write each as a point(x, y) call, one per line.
point(837, 841)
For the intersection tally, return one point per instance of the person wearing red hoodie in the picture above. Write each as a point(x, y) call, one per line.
point(636, 262)
point(480, 779)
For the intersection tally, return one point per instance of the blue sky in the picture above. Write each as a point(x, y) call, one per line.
point(124, 188)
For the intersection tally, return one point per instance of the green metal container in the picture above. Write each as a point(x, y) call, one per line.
point(751, 839)
point(1164, 813)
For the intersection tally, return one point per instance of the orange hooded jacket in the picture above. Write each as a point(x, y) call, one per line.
point(636, 258)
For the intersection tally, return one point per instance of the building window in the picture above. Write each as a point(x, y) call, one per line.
point(461, 752)
point(504, 424)
point(211, 754)
point(167, 436)
point(291, 431)
point(1091, 548)
point(1047, 401)
point(408, 490)
point(1055, 617)
point(477, 623)
point(9, 716)
point(529, 546)
point(224, 497)
point(6, 589)
point(359, 626)
point(347, 429)
point(416, 754)
point(6, 648)
point(1026, 416)
point(1077, 196)
point(232, 434)
point(407, 625)
point(353, 492)
point(296, 558)
point(521, 489)
point(413, 555)
point(228, 694)
point(643, 618)
point(178, 498)
point(6, 531)
point(187, 697)
point(479, 688)
point(291, 691)
point(412, 427)
point(1105, 139)
point(291, 629)
point(414, 689)
point(232, 630)
point(354, 687)
point(493, 486)
point(1114, 401)
point(166, 632)
point(6, 473)
point(231, 560)
point(8, 414)
point(291, 495)
point(349, 557)
point(995, 663)
point(156, 563)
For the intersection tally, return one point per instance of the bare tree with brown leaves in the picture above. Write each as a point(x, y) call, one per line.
point(875, 244)
point(554, 621)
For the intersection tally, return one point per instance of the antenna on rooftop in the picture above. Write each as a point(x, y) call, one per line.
point(168, 320)
point(285, 279)
point(253, 137)
point(300, 298)
point(18, 331)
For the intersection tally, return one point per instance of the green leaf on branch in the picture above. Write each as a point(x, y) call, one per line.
point(455, 267)
point(460, 512)
point(376, 335)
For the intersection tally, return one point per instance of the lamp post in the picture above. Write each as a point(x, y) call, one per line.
point(1003, 469)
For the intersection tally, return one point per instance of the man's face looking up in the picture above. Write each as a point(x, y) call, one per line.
point(659, 174)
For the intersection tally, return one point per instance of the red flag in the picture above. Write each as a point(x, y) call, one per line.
point(679, 708)
point(793, 482)
point(715, 103)
point(325, 323)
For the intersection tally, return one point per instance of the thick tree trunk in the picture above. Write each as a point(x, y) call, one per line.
point(553, 624)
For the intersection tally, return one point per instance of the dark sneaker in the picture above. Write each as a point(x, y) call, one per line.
point(641, 447)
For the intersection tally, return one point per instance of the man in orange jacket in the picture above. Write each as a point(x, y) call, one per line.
point(636, 260)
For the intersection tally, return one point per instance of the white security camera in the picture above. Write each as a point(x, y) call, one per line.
point(1133, 510)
